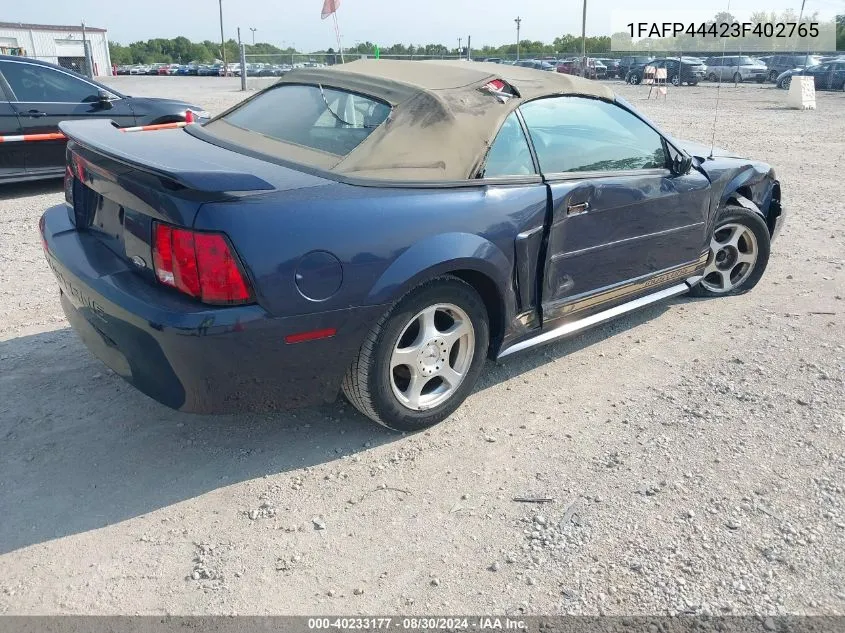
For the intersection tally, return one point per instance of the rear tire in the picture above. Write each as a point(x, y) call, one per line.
point(737, 78)
point(634, 79)
point(739, 254)
point(423, 357)
point(712, 77)
point(773, 76)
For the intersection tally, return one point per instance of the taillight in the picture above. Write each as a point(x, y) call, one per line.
point(69, 185)
point(201, 265)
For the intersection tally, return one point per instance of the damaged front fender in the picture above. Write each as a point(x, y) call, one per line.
point(751, 184)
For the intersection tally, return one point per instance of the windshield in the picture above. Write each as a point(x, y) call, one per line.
point(316, 117)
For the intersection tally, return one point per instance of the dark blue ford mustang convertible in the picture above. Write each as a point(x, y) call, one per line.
point(382, 227)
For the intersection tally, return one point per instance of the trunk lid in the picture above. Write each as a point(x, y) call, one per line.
point(117, 182)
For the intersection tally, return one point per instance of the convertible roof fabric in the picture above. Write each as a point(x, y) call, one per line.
point(442, 122)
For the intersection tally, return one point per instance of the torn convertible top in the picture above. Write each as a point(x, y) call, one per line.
point(442, 121)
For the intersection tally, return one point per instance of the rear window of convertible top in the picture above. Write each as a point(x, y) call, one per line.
point(321, 118)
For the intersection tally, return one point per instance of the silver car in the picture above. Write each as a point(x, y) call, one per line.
point(736, 68)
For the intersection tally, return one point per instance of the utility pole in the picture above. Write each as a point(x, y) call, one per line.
point(87, 71)
point(223, 43)
point(459, 46)
point(584, 41)
point(469, 47)
point(518, 22)
point(253, 35)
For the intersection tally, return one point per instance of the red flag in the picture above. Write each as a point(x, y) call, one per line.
point(329, 7)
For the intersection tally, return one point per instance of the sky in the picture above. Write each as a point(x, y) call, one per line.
point(297, 22)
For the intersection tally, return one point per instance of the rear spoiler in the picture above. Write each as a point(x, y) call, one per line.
point(151, 152)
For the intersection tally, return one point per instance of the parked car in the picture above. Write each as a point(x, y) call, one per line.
point(210, 70)
point(829, 76)
point(628, 62)
point(779, 64)
point(494, 60)
point(689, 70)
point(274, 264)
point(612, 66)
point(537, 64)
point(736, 68)
point(568, 67)
point(574, 67)
point(273, 70)
point(40, 95)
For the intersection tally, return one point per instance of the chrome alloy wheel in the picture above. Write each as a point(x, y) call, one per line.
point(733, 254)
point(432, 356)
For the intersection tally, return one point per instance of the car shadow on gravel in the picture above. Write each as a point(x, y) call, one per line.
point(31, 188)
point(80, 449)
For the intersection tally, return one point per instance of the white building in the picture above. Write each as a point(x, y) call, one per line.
point(60, 45)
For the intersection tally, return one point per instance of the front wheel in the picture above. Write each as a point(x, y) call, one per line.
point(773, 76)
point(423, 357)
point(676, 80)
point(737, 78)
point(739, 253)
point(785, 83)
point(634, 79)
point(712, 77)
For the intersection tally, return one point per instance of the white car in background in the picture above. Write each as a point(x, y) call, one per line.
point(736, 68)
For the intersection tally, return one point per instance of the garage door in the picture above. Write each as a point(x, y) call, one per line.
point(69, 48)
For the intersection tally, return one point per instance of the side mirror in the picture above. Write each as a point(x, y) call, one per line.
point(680, 164)
point(104, 99)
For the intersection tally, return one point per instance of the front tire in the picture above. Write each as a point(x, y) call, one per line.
point(737, 78)
point(739, 253)
point(423, 357)
point(634, 79)
point(785, 83)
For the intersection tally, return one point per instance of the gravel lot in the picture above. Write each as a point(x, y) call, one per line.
point(694, 452)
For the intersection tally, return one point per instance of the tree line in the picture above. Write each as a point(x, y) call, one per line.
point(181, 50)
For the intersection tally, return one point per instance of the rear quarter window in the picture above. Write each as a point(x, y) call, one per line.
point(323, 119)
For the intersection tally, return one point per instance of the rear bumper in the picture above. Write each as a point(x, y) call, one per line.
point(189, 356)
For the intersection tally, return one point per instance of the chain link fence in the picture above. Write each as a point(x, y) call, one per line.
point(258, 70)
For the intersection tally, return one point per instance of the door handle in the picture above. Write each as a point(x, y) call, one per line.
point(35, 113)
point(575, 209)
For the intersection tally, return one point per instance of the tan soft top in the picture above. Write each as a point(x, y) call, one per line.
point(442, 123)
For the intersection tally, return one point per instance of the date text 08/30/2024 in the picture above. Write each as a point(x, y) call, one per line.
point(417, 623)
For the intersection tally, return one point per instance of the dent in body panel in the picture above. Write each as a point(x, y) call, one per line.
point(635, 225)
point(731, 176)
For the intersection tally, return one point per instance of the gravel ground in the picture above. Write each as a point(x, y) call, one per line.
point(694, 452)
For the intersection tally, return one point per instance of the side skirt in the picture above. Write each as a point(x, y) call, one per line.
point(600, 317)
